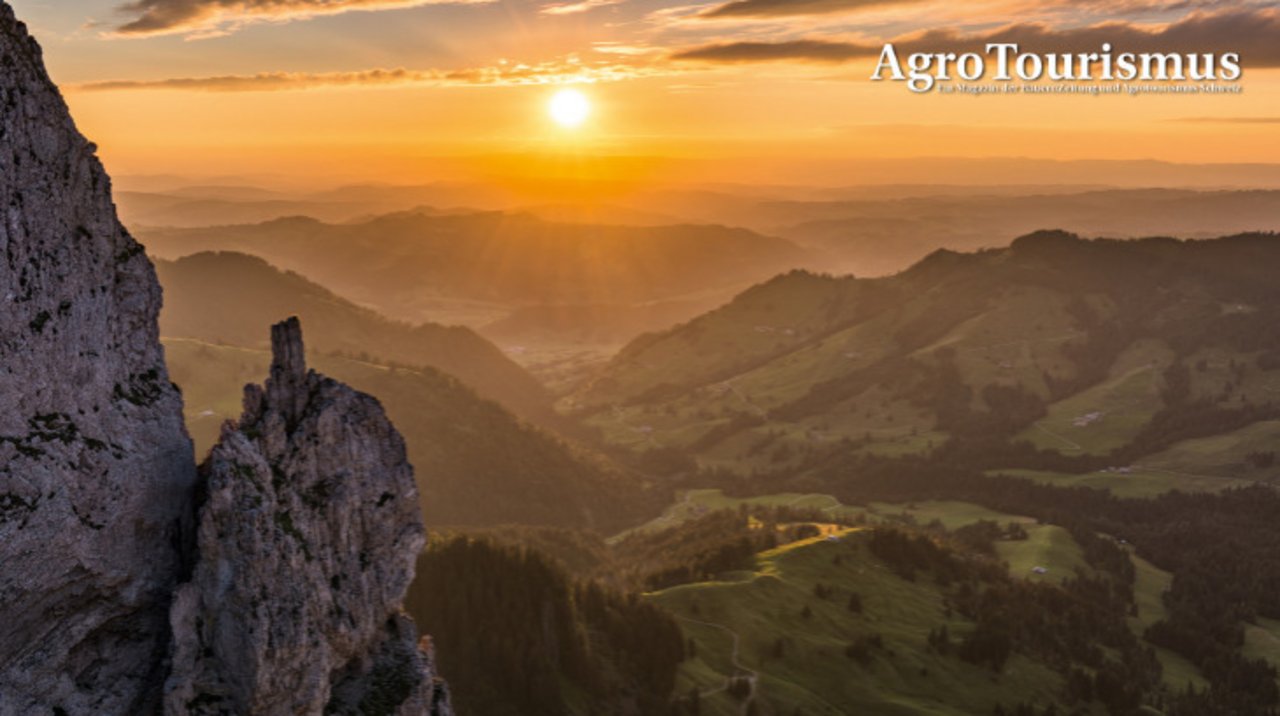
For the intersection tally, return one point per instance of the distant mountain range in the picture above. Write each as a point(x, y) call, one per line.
point(878, 237)
point(414, 265)
point(863, 230)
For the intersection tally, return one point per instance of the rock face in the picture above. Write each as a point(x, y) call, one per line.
point(308, 535)
point(293, 551)
point(96, 469)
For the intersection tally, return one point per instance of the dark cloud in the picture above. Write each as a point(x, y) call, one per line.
point(159, 17)
point(798, 50)
point(1110, 8)
point(779, 8)
point(1251, 32)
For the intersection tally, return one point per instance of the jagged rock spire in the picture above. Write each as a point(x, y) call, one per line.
point(307, 544)
point(286, 386)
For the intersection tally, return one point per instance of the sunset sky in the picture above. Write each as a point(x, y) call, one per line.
point(406, 89)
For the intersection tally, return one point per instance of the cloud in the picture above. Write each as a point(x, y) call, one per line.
point(795, 50)
point(548, 73)
point(1136, 7)
point(618, 48)
point(571, 8)
point(209, 18)
point(781, 8)
point(736, 9)
point(1250, 32)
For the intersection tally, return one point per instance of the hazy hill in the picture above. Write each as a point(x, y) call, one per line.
point(232, 298)
point(1071, 345)
point(139, 209)
point(882, 236)
point(477, 464)
point(406, 264)
point(172, 202)
point(594, 323)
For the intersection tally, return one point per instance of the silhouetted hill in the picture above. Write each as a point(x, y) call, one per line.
point(878, 237)
point(231, 298)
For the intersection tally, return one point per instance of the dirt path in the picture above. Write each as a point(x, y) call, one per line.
point(760, 412)
point(1066, 441)
point(1175, 473)
point(753, 678)
point(620, 416)
point(1025, 342)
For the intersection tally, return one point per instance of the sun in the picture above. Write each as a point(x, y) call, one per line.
point(569, 108)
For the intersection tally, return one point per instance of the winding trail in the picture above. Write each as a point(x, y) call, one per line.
point(621, 417)
point(1066, 441)
point(1175, 473)
point(760, 412)
point(752, 676)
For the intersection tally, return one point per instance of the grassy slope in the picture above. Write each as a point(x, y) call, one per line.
point(1201, 465)
point(814, 674)
point(1121, 405)
point(1222, 456)
point(756, 607)
point(1008, 318)
point(1213, 377)
point(1138, 483)
point(773, 318)
point(679, 420)
point(1150, 584)
point(1262, 641)
point(1014, 341)
point(1047, 546)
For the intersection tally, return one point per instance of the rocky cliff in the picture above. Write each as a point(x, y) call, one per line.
point(308, 534)
point(95, 466)
point(293, 547)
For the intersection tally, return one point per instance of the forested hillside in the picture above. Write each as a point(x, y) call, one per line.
point(551, 645)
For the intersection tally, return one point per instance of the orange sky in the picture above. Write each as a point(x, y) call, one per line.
point(403, 90)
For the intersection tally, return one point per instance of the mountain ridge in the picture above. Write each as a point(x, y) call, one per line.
point(1029, 325)
point(246, 290)
point(402, 262)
